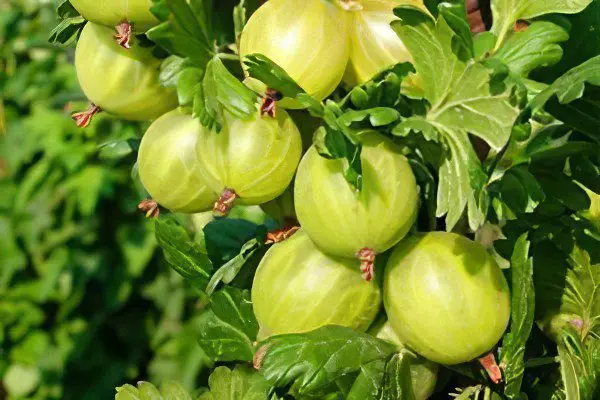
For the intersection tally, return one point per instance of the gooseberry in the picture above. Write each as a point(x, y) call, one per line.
point(445, 297)
point(168, 164)
point(135, 13)
point(423, 372)
point(307, 38)
point(345, 222)
point(297, 288)
point(251, 160)
point(374, 45)
point(122, 82)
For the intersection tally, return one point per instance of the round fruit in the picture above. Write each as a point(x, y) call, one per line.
point(297, 288)
point(307, 38)
point(423, 372)
point(374, 45)
point(113, 12)
point(253, 160)
point(445, 297)
point(123, 82)
point(346, 223)
point(168, 164)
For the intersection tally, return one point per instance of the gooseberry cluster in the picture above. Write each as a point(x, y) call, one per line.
point(444, 296)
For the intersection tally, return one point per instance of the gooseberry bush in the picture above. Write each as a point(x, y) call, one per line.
point(429, 220)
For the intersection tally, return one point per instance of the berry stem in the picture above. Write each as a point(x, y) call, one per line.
point(83, 119)
point(259, 356)
point(279, 235)
point(489, 363)
point(150, 207)
point(367, 263)
point(124, 33)
point(225, 203)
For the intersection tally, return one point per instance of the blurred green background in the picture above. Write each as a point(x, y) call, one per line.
point(86, 302)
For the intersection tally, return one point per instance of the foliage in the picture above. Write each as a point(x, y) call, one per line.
point(85, 302)
point(504, 148)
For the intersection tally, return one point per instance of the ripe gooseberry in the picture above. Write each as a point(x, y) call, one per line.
point(374, 45)
point(346, 223)
point(297, 288)
point(122, 82)
point(307, 38)
point(423, 372)
point(251, 160)
point(126, 16)
point(168, 164)
point(445, 297)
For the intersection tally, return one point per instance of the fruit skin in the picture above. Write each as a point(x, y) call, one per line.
point(168, 164)
point(256, 158)
point(307, 38)
point(341, 221)
point(123, 82)
point(374, 45)
point(297, 288)
point(445, 297)
point(423, 372)
point(113, 12)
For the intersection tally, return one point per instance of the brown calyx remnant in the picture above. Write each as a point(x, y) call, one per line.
point(489, 363)
point(367, 263)
point(224, 203)
point(259, 356)
point(150, 207)
point(83, 119)
point(269, 102)
point(521, 26)
point(279, 235)
point(124, 33)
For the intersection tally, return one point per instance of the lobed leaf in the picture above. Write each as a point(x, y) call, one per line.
point(522, 317)
point(312, 360)
point(228, 328)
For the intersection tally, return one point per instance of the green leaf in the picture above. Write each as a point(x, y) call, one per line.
point(183, 33)
point(66, 30)
point(226, 237)
point(232, 268)
point(262, 68)
point(397, 384)
point(519, 190)
point(311, 361)
point(507, 12)
point(183, 254)
point(377, 117)
point(579, 366)
point(241, 383)
point(463, 101)
point(229, 92)
point(455, 14)
point(537, 46)
point(66, 10)
point(12, 258)
point(522, 317)
point(571, 85)
point(170, 69)
point(368, 382)
point(146, 391)
point(228, 329)
point(118, 149)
